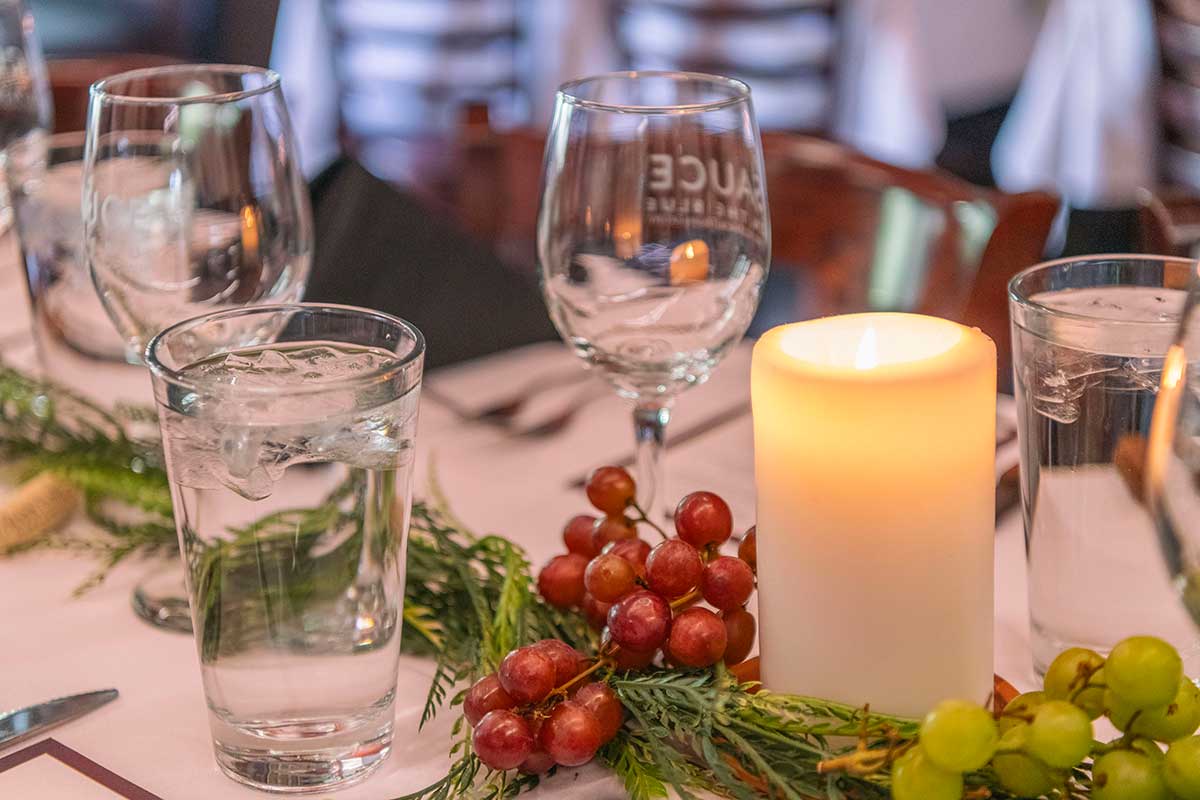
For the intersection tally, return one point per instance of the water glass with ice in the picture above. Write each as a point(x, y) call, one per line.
point(288, 433)
point(1089, 339)
point(76, 340)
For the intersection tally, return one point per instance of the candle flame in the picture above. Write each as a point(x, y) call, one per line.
point(867, 356)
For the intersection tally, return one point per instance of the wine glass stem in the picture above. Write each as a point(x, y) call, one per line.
point(650, 428)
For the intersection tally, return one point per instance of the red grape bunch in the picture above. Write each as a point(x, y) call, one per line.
point(538, 710)
point(648, 599)
point(542, 708)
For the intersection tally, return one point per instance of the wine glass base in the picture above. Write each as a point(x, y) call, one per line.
point(161, 600)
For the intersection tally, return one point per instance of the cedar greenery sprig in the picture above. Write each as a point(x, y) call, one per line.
point(469, 600)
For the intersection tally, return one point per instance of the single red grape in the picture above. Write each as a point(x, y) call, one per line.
point(611, 489)
point(627, 660)
point(634, 551)
point(740, 629)
point(571, 734)
point(698, 638)
point(560, 582)
point(703, 518)
point(577, 535)
point(596, 611)
point(640, 621)
point(527, 675)
point(602, 701)
point(486, 695)
point(538, 763)
point(727, 583)
point(748, 549)
point(566, 659)
point(673, 568)
point(611, 529)
point(502, 740)
point(609, 578)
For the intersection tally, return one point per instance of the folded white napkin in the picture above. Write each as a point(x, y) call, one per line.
point(1084, 120)
point(885, 105)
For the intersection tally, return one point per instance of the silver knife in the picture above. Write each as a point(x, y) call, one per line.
point(17, 726)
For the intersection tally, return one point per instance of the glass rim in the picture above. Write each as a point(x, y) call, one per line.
point(739, 92)
point(101, 90)
point(161, 371)
point(1017, 297)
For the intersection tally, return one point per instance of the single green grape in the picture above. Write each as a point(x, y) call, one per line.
point(1127, 775)
point(1179, 718)
point(959, 736)
point(1019, 710)
point(1181, 768)
point(1060, 734)
point(1144, 671)
point(1173, 721)
point(1025, 776)
point(915, 777)
point(1070, 672)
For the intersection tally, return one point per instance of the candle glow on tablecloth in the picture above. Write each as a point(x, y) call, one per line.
point(874, 447)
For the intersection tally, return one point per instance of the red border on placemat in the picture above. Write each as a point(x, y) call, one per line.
point(80, 763)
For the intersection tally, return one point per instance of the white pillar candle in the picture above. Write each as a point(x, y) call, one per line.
point(874, 443)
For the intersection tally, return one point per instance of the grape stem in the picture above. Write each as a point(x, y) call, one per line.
point(686, 600)
point(562, 690)
point(864, 760)
point(643, 518)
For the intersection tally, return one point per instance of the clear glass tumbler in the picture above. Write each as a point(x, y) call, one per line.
point(1089, 339)
point(288, 433)
point(74, 334)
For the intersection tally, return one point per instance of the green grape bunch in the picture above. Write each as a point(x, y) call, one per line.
point(1043, 743)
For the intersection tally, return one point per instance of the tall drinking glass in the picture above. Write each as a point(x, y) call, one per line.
point(653, 234)
point(193, 200)
point(288, 433)
point(78, 347)
point(1089, 340)
point(26, 111)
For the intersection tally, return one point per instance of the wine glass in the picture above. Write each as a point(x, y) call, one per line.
point(653, 235)
point(193, 200)
point(1172, 462)
point(26, 111)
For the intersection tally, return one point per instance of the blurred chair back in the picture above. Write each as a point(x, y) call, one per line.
point(783, 48)
point(407, 69)
point(861, 235)
point(1179, 43)
point(70, 79)
point(848, 233)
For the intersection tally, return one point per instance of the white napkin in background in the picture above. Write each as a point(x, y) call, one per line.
point(302, 53)
point(1084, 121)
point(885, 104)
point(567, 39)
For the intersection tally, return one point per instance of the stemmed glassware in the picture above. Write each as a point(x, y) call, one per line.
point(653, 235)
point(193, 201)
point(1172, 463)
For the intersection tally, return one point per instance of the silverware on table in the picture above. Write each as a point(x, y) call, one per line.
point(503, 412)
point(17, 726)
point(674, 439)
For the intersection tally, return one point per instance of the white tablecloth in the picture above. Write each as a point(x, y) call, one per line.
point(156, 734)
